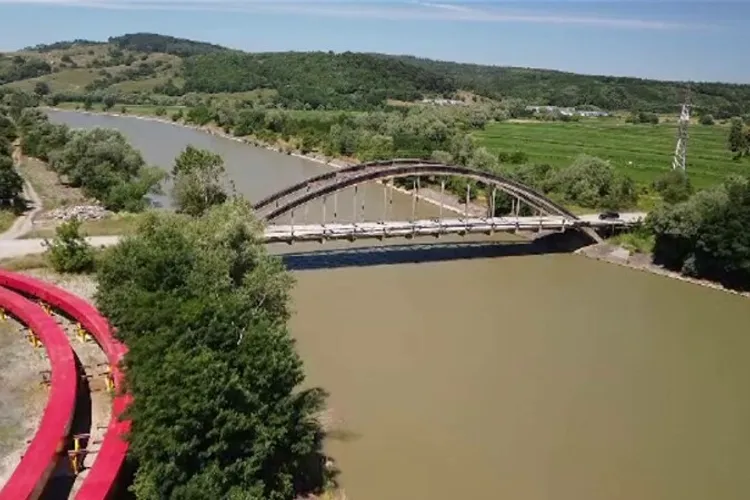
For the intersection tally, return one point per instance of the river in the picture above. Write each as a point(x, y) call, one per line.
point(532, 377)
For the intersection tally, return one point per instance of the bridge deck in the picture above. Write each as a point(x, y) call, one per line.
point(436, 227)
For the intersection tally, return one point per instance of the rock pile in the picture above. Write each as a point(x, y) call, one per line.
point(81, 212)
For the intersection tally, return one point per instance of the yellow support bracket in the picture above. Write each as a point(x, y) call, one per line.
point(3, 315)
point(109, 380)
point(78, 453)
point(33, 339)
point(45, 307)
point(81, 333)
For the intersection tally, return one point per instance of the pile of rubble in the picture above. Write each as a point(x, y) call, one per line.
point(81, 212)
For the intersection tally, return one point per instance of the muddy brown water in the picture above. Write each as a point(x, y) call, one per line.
point(530, 377)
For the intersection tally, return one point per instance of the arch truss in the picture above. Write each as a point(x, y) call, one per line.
point(321, 186)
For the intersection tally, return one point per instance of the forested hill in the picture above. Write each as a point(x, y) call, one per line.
point(145, 64)
point(315, 79)
point(559, 88)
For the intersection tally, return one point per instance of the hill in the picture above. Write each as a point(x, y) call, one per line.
point(558, 88)
point(136, 65)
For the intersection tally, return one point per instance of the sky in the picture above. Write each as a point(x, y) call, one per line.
point(668, 40)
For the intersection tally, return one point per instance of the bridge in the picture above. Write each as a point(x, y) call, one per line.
point(290, 233)
point(325, 188)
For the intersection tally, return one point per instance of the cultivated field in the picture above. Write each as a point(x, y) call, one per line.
point(643, 151)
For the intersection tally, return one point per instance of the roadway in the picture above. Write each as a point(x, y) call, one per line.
point(276, 233)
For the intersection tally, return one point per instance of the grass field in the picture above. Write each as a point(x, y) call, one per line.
point(642, 151)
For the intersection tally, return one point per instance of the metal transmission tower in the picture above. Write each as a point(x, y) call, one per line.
point(680, 151)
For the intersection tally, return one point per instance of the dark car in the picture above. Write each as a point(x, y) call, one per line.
point(609, 215)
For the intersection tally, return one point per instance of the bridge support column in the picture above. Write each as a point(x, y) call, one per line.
point(440, 215)
point(335, 205)
point(323, 209)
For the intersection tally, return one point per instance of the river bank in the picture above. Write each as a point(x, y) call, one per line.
point(428, 195)
point(620, 256)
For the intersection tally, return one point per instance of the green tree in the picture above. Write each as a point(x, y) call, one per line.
point(108, 102)
point(592, 183)
point(218, 411)
point(11, 184)
point(707, 120)
point(41, 88)
point(106, 167)
point(674, 186)
point(198, 176)
point(737, 140)
point(7, 128)
point(69, 252)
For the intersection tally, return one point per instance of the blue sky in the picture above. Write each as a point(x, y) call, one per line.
point(683, 40)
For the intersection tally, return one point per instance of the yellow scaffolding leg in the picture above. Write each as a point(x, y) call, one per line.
point(45, 307)
point(78, 453)
point(81, 333)
point(109, 380)
point(33, 339)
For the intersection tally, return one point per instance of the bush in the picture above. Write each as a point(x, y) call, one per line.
point(69, 252)
point(212, 368)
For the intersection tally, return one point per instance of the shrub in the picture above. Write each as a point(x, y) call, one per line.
point(69, 252)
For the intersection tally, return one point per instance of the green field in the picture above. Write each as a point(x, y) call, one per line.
point(642, 151)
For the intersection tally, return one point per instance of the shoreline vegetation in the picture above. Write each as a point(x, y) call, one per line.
point(606, 252)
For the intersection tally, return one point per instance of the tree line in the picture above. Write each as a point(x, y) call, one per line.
point(313, 80)
point(11, 184)
point(706, 235)
point(441, 133)
point(99, 161)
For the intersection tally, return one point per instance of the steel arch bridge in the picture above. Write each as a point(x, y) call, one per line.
point(329, 183)
point(288, 199)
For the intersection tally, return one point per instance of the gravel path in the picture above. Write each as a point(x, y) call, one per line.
point(25, 223)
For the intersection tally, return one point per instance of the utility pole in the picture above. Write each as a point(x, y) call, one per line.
point(680, 151)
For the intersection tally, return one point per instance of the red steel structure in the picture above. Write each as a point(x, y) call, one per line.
point(102, 479)
point(41, 456)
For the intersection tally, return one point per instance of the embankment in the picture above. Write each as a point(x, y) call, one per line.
point(614, 254)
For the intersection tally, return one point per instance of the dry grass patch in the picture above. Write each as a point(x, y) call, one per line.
point(112, 226)
point(6, 219)
point(53, 193)
point(25, 262)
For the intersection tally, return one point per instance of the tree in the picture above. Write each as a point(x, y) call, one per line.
point(69, 252)
point(211, 365)
point(11, 184)
point(108, 102)
point(737, 141)
point(7, 128)
point(674, 186)
point(41, 88)
point(106, 167)
point(707, 120)
point(592, 183)
point(198, 176)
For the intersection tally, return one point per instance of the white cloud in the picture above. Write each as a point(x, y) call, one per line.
point(411, 10)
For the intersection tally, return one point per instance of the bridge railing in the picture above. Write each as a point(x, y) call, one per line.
point(102, 479)
point(41, 456)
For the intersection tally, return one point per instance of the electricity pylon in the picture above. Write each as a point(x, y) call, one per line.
point(680, 151)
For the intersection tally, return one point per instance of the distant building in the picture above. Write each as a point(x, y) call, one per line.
point(565, 111)
point(443, 102)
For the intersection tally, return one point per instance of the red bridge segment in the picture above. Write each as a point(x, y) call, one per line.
point(101, 481)
point(39, 461)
